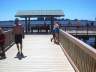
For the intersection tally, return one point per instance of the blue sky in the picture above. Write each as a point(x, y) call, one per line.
point(73, 9)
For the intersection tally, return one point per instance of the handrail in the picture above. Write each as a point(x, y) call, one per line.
point(83, 55)
point(9, 39)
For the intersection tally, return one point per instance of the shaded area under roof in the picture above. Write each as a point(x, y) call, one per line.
point(36, 13)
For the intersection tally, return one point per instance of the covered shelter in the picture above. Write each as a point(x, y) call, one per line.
point(27, 14)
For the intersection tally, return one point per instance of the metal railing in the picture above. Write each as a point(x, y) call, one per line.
point(81, 55)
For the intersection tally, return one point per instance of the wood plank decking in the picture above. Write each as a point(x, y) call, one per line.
point(42, 56)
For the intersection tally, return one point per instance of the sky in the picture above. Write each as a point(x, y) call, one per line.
point(73, 9)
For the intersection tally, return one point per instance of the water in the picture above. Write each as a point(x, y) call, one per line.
point(90, 41)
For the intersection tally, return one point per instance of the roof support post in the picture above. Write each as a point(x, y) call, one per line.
point(29, 24)
point(26, 24)
point(52, 22)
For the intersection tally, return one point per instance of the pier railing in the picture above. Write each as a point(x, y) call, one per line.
point(40, 27)
point(78, 30)
point(81, 27)
point(81, 56)
point(9, 41)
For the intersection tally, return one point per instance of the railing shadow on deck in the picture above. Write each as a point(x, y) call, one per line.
point(81, 56)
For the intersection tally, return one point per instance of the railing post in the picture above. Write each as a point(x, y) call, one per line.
point(87, 28)
point(95, 43)
point(65, 27)
point(76, 30)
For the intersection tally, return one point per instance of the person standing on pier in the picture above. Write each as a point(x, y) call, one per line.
point(2, 42)
point(18, 31)
point(55, 33)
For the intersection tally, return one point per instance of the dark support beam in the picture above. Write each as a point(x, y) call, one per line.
point(29, 24)
point(52, 22)
point(26, 24)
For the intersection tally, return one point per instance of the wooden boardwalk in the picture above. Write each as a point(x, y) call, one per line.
point(42, 56)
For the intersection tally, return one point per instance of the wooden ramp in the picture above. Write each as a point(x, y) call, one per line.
point(42, 56)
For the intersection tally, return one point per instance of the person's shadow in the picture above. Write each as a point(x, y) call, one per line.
point(20, 56)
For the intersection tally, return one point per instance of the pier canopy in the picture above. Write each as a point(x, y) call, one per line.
point(27, 14)
point(36, 13)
